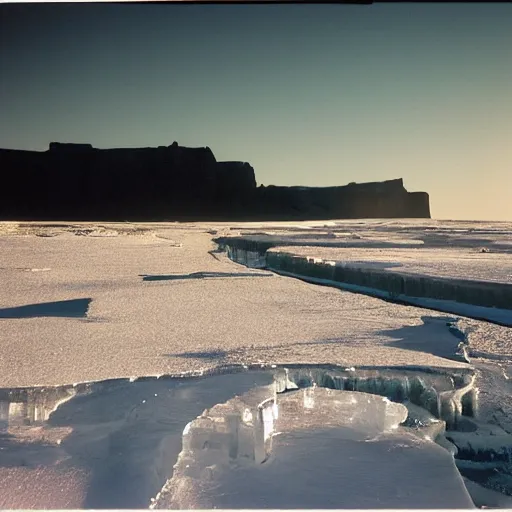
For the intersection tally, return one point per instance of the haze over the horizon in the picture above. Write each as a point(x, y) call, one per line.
point(310, 95)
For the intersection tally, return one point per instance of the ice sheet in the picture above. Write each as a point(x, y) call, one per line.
point(153, 299)
point(385, 233)
point(112, 445)
point(461, 263)
point(447, 270)
point(229, 315)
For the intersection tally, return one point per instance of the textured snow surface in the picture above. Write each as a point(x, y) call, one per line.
point(384, 234)
point(88, 302)
point(201, 312)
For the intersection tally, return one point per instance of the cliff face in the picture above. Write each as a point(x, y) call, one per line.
point(387, 199)
point(79, 182)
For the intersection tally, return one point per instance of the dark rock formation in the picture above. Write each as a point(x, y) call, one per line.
point(79, 182)
point(63, 147)
point(387, 199)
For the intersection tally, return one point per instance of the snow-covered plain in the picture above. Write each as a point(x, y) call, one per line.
point(88, 302)
point(231, 314)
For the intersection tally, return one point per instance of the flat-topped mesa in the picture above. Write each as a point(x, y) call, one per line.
point(80, 182)
point(396, 185)
point(69, 147)
point(386, 199)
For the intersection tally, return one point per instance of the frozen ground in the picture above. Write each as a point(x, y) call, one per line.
point(88, 302)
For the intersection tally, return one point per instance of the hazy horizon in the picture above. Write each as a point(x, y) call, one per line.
point(311, 95)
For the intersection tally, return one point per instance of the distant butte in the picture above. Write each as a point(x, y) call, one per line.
point(79, 182)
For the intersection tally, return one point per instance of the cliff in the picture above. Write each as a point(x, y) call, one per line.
point(387, 199)
point(79, 182)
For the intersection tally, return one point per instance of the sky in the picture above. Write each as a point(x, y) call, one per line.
point(311, 95)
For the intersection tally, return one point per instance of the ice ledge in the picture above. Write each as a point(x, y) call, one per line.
point(481, 300)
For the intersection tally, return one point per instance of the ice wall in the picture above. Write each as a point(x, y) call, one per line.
point(392, 285)
point(310, 448)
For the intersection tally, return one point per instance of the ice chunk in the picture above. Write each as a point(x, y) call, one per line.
point(320, 459)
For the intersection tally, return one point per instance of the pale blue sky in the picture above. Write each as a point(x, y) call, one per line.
point(308, 94)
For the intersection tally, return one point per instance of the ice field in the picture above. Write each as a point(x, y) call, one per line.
point(115, 337)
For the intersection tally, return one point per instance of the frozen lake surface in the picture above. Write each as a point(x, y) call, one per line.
point(93, 302)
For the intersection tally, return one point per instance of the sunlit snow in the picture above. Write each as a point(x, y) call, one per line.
point(84, 302)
